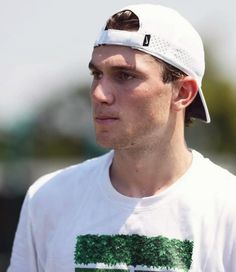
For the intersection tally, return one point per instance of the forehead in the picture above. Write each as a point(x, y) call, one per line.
point(120, 55)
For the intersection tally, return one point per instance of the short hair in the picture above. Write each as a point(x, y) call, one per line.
point(127, 20)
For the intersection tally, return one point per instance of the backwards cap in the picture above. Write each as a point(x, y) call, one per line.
point(165, 34)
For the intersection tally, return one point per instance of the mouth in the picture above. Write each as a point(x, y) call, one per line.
point(105, 120)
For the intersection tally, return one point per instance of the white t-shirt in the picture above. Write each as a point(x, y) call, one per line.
point(74, 220)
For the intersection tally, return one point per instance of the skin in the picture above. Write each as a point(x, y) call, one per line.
point(141, 118)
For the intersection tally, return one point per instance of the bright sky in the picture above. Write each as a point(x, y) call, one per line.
point(46, 44)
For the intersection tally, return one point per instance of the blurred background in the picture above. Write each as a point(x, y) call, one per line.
point(45, 121)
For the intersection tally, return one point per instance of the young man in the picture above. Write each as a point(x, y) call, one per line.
point(151, 204)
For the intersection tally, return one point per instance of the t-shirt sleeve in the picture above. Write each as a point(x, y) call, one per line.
point(24, 256)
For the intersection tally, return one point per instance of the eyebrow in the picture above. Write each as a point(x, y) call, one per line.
point(92, 66)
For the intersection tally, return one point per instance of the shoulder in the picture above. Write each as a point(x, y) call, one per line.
point(69, 179)
point(211, 171)
point(213, 180)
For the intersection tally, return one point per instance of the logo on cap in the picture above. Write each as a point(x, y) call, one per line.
point(146, 40)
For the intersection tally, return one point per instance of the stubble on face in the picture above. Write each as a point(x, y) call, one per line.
point(141, 104)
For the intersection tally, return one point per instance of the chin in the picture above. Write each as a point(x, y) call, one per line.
point(105, 145)
point(114, 141)
point(108, 143)
point(116, 145)
point(104, 142)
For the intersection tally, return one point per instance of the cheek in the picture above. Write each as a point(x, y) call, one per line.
point(149, 102)
point(157, 105)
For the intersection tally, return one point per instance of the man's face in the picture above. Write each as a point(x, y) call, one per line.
point(131, 104)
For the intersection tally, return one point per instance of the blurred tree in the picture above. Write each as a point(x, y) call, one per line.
point(218, 136)
point(63, 127)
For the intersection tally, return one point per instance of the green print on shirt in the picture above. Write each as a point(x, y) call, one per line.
point(132, 250)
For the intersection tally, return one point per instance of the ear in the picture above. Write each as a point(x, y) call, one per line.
point(184, 92)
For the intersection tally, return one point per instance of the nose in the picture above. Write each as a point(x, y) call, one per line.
point(102, 92)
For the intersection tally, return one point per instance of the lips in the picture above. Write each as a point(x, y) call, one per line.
point(105, 119)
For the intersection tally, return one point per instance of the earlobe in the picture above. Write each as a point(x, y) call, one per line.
point(185, 91)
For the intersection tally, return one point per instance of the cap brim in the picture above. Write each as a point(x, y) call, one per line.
point(198, 108)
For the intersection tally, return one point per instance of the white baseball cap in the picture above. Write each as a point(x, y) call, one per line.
point(165, 34)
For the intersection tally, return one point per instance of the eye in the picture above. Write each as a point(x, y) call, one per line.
point(96, 74)
point(124, 76)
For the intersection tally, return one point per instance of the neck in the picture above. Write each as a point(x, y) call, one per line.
point(149, 169)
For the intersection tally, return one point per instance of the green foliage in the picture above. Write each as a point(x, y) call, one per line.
point(160, 252)
point(222, 103)
point(219, 136)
